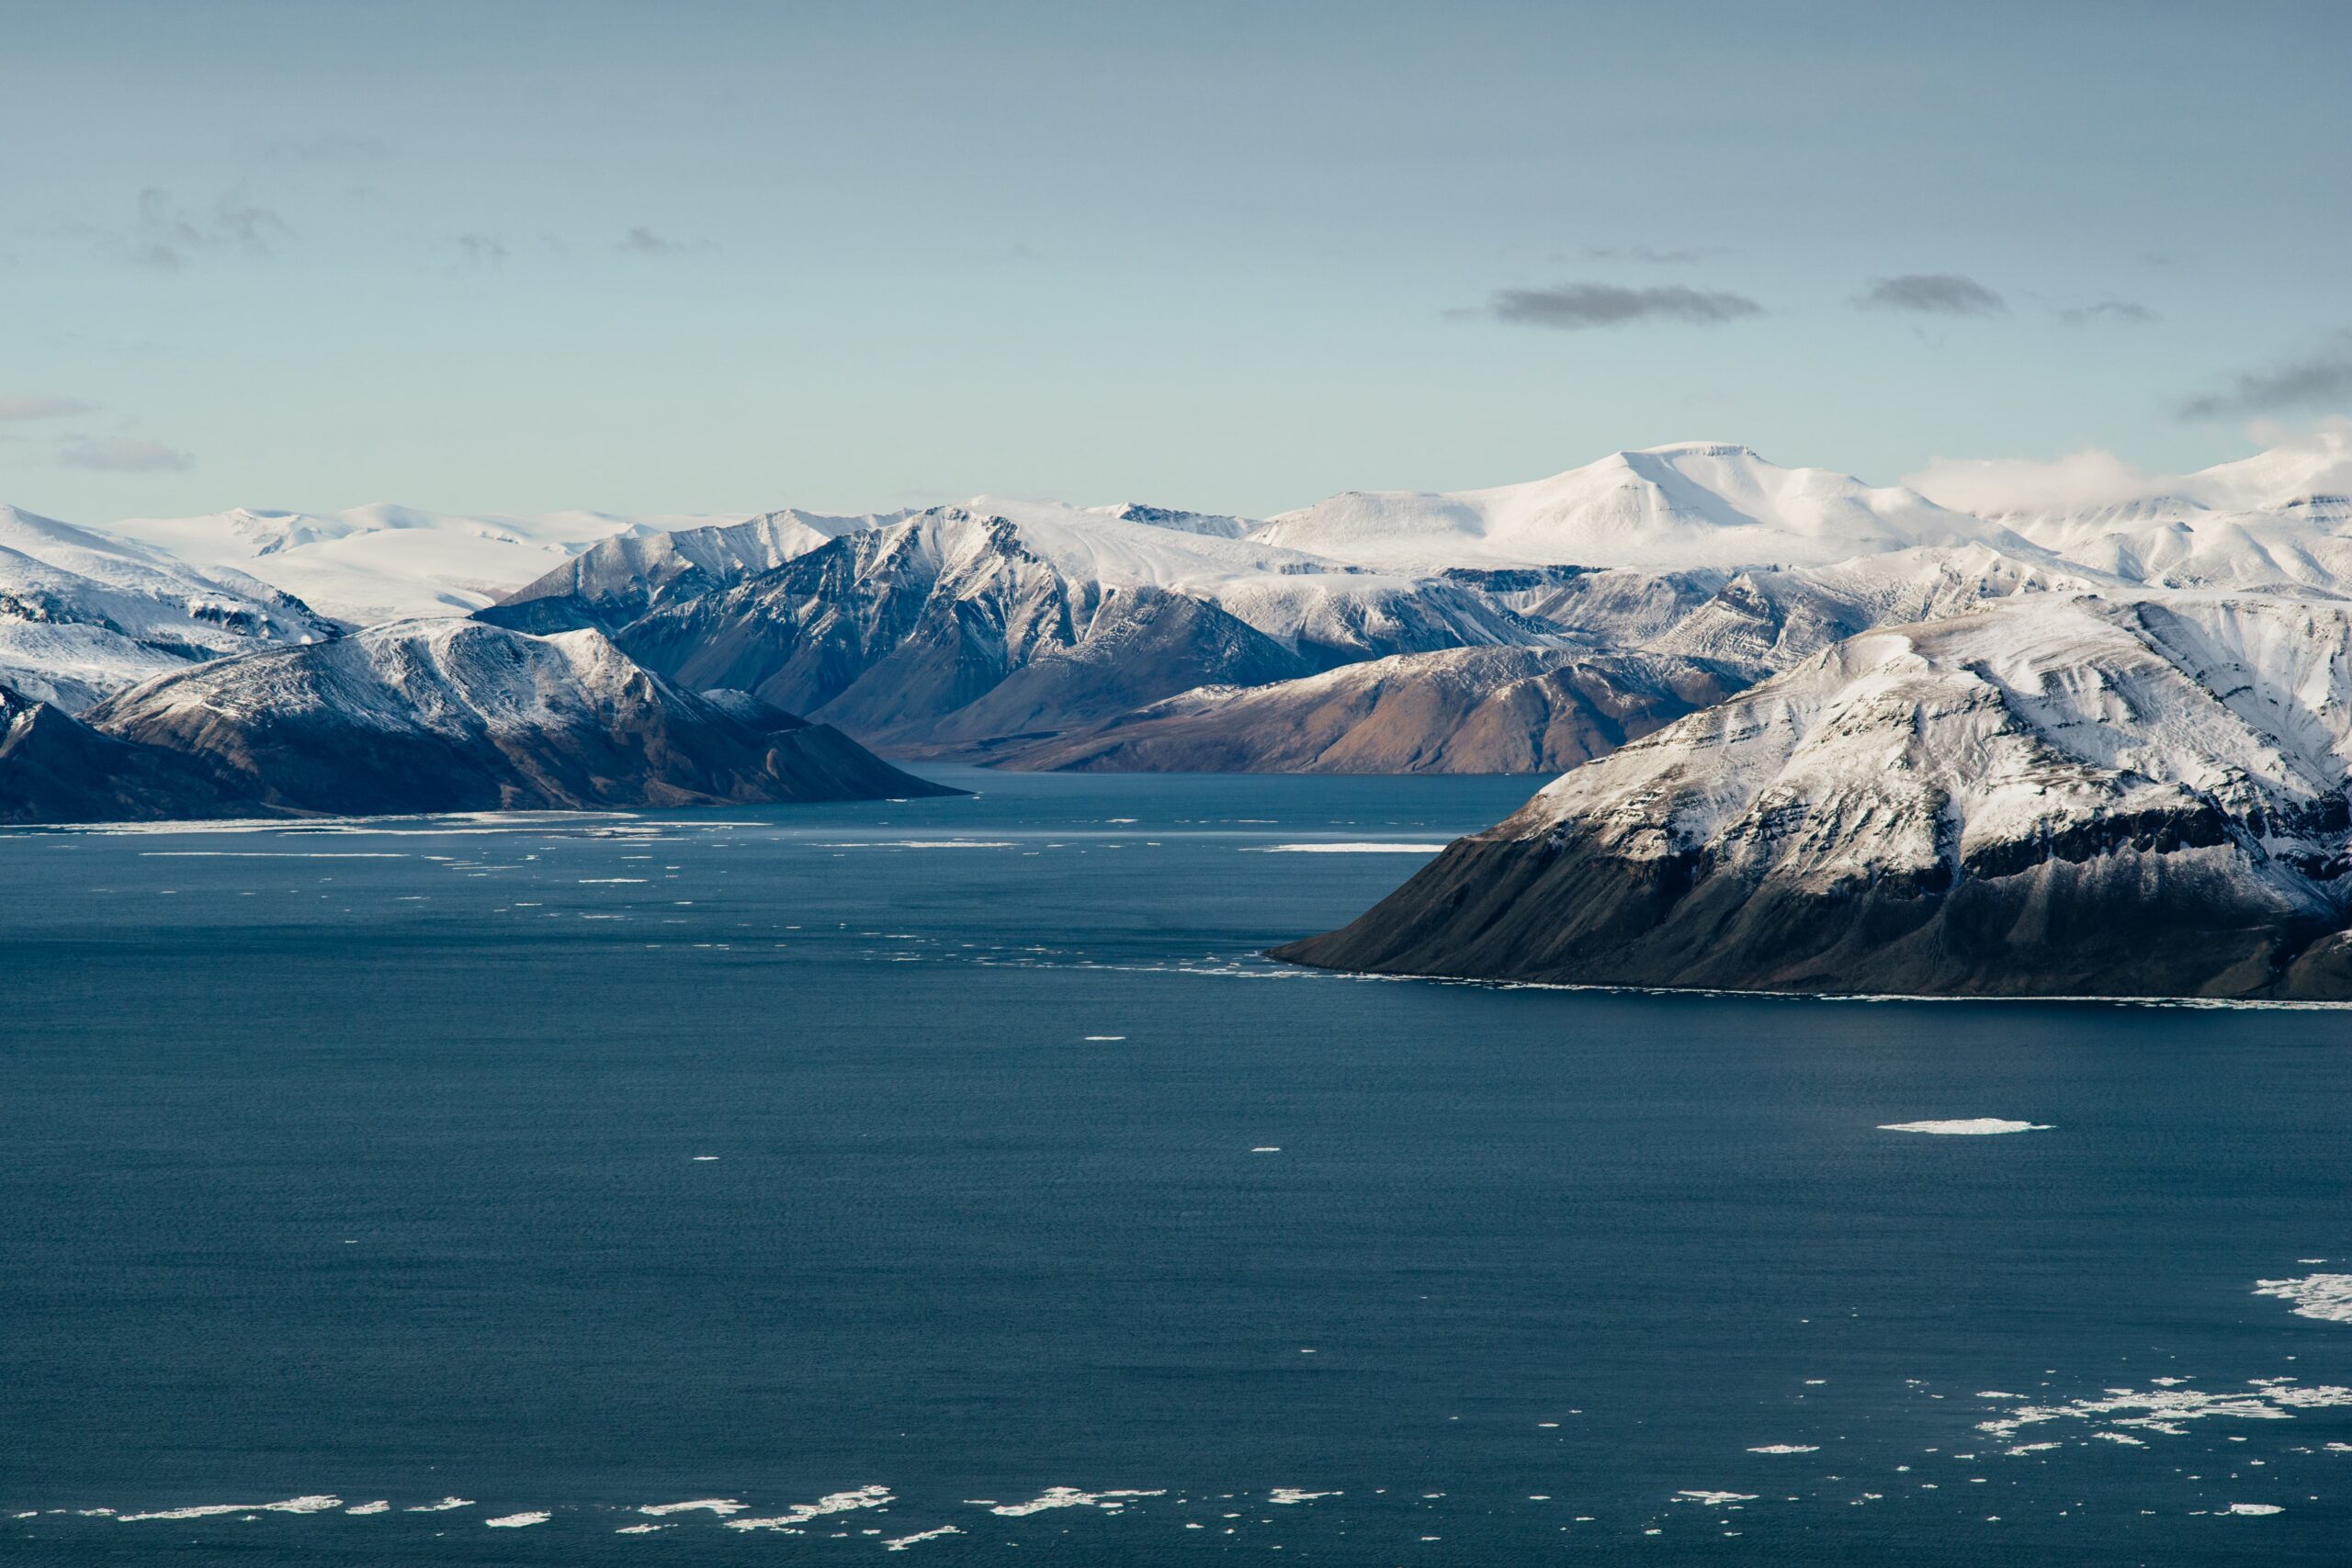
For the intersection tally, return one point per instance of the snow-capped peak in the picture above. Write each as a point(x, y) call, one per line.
point(1685, 506)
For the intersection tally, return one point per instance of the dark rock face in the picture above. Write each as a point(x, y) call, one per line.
point(1482, 710)
point(2051, 798)
point(53, 767)
point(2135, 923)
point(426, 717)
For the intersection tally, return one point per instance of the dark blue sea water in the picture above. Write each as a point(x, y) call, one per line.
point(920, 1159)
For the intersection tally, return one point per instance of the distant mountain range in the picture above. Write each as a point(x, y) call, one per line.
point(1814, 734)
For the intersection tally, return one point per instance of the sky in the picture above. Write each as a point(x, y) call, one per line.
point(713, 257)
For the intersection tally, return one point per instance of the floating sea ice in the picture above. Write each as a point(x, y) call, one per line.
point(721, 1506)
point(904, 1541)
point(2324, 1296)
point(2253, 1508)
point(378, 1507)
point(639, 1530)
point(516, 1521)
point(1787, 1449)
point(1978, 1125)
point(1071, 1497)
point(1293, 1494)
point(2164, 1410)
point(801, 1513)
point(316, 1505)
point(1692, 1495)
point(1102, 1039)
point(443, 1506)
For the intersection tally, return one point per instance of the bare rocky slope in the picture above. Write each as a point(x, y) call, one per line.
point(1462, 710)
point(2056, 796)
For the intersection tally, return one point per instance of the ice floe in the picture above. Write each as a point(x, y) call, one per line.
point(2253, 1509)
point(901, 1543)
point(801, 1513)
point(517, 1521)
point(1966, 1126)
point(2326, 1296)
point(2164, 1409)
point(378, 1507)
point(1071, 1497)
point(719, 1505)
point(1293, 1495)
point(443, 1506)
point(314, 1504)
point(1787, 1449)
point(1695, 1494)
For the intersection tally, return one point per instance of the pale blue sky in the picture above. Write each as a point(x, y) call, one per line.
point(713, 256)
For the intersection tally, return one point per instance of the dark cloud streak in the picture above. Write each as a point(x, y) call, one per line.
point(1575, 307)
point(2320, 378)
point(1930, 294)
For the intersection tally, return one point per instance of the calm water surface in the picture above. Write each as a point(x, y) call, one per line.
point(913, 1161)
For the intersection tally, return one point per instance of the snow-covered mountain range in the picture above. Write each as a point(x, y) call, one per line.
point(985, 628)
point(1817, 734)
point(84, 612)
point(383, 562)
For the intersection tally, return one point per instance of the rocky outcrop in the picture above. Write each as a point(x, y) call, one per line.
point(2055, 797)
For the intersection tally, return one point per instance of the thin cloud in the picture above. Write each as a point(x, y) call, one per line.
point(641, 241)
point(2124, 310)
point(165, 234)
point(329, 149)
point(15, 409)
point(481, 250)
point(1573, 307)
point(1652, 256)
point(1930, 294)
point(122, 455)
point(2321, 377)
point(2001, 487)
